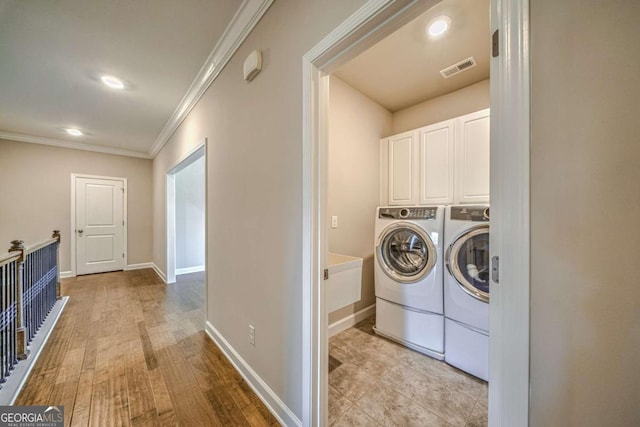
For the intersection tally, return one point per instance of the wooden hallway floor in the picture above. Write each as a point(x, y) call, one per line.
point(130, 350)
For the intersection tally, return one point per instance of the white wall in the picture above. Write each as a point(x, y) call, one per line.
point(254, 212)
point(585, 210)
point(356, 124)
point(190, 215)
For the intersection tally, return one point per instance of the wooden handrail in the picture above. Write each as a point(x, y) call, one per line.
point(9, 257)
point(40, 245)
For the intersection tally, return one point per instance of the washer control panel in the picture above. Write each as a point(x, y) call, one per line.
point(470, 213)
point(408, 213)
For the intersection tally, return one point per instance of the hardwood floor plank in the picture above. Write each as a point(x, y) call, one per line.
point(130, 350)
point(109, 405)
point(253, 417)
point(91, 348)
point(257, 403)
point(225, 408)
point(189, 401)
point(160, 392)
point(65, 394)
point(147, 348)
point(82, 408)
point(38, 388)
point(140, 396)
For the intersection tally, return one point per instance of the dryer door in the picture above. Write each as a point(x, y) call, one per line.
point(405, 252)
point(468, 261)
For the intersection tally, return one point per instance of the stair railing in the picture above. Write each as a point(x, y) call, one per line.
point(29, 288)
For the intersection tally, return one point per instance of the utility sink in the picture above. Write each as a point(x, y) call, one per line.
point(345, 281)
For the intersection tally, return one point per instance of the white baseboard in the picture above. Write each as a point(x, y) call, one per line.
point(140, 266)
point(283, 414)
point(159, 272)
point(11, 389)
point(342, 324)
point(66, 274)
point(188, 270)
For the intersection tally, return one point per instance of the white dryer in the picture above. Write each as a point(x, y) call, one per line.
point(466, 289)
point(408, 277)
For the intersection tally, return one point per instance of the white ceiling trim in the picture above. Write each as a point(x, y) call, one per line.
point(73, 145)
point(236, 32)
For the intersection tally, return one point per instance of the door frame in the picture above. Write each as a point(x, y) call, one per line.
point(170, 196)
point(510, 87)
point(72, 230)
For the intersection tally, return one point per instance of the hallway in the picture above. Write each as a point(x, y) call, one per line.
point(130, 350)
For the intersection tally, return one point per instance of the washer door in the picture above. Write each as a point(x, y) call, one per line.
point(468, 261)
point(405, 252)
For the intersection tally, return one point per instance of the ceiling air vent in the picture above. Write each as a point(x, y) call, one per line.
point(459, 67)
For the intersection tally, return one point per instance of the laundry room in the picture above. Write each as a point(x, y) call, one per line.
point(407, 206)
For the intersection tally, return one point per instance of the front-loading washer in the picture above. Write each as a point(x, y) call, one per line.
point(466, 289)
point(408, 277)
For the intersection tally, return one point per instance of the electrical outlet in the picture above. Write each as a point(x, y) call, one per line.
point(252, 335)
point(334, 221)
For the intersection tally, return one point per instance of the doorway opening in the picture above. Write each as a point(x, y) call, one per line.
point(509, 95)
point(412, 335)
point(186, 215)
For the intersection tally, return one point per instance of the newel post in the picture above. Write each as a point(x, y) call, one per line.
point(56, 235)
point(21, 335)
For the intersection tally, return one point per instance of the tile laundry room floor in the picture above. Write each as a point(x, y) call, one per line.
point(375, 381)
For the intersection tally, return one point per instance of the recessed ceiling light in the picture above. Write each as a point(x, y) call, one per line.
point(74, 132)
point(439, 26)
point(112, 82)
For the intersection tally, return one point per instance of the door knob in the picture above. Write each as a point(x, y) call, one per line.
point(79, 231)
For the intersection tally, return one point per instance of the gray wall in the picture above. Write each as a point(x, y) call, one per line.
point(356, 125)
point(585, 210)
point(190, 212)
point(254, 212)
point(36, 195)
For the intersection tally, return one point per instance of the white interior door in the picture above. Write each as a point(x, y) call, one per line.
point(99, 228)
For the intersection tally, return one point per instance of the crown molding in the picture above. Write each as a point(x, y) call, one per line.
point(245, 19)
point(236, 32)
point(72, 145)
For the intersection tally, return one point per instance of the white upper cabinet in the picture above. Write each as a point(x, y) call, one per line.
point(440, 164)
point(437, 163)
point(402, 159)
point(472, 163)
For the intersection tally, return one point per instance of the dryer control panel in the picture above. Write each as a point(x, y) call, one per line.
point(470, 213)
point(408, 213)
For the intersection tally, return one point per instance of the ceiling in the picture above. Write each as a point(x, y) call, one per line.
point(54, 53)
point(404, 68)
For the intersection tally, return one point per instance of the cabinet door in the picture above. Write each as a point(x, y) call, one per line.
point(384, 172)
point(402, 156)
point(472, 152)
point(436, 163)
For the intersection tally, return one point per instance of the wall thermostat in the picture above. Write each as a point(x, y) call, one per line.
point(252, 65)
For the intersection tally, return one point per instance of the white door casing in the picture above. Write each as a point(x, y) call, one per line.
point(170, 209)
point(99, 224)
point(509, 380)
point(510, 215)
